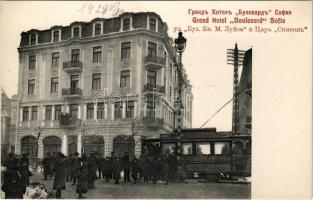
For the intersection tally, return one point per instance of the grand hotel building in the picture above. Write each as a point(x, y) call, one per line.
point(117, 79)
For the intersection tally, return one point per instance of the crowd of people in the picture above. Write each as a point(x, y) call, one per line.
point(83, 171)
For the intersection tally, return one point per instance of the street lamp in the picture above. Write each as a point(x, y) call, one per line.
point(180, 45)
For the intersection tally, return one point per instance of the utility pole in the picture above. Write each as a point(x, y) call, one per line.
point(235, 58)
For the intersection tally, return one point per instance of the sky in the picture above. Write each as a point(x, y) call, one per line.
point(204, 58)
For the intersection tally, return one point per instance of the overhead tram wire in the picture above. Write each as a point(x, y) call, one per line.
point(221, 108)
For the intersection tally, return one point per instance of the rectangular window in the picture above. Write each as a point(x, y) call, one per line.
point(151, 78)
point(150, 109)
point(118, 109)
point(75, 55)
point(129, 109)
point(31, 86)
point(125, 78)
point(90, 110)
point(74, 111)
point(125, 50)
point(76, 32)
point(48, 113)
point(221, 148)
point(32, 62)
point(97, 29)
point(97, 54)
point(100, 110)
point(54, 85)
point(126, 24)
point(25, 113)
point(186, 148)
point(57, 112)
point(56, 35)
point(96, 81)
point(203, 148)
point(55, 59)
point(34, 113)
point(74, 81)
point(152, 49)
point(33, 39)
point(152, 24)
point(168, 148)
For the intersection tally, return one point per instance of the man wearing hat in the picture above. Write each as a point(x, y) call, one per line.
point(12, 181)
point(60, 175)
point(24, 169)
point(117, 168)
point(75, 167)
point(92, 170)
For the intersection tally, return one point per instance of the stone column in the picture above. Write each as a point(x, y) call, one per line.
point(64, 145)
point(95, 110)
point(79, 112)
point(105, 110)
point(137, 146)
point(123, 109)
point(79, 144)
point(112, 111)
point(85, 112)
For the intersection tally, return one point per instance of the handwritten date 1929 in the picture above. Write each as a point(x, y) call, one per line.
point(112, 9)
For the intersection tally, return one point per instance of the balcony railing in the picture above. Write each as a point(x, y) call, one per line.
point(72, 92)
point(154, 88)
point(154, 62)
point(72, 66)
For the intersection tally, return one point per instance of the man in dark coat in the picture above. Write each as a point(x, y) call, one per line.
point(99, 165)
point(68, 167)
point(117, 168)
point(82, 174)
point(107, 168)
point(146, 169)
point(173, 164)
point(92, 170)
point(24, 169)
point(76, 164)
point(135, 170)
point(126, 166)
point(47, 166)
point(12, 180)
point(60, 175)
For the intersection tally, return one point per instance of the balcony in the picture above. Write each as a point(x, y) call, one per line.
point(73, 66)
point(153, 88)
point(151, 122)
point(72, 92)
point(154, 62)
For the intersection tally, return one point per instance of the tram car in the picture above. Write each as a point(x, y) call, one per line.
point(205, 153)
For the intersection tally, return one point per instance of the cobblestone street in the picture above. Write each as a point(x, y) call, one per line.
point(173, 190)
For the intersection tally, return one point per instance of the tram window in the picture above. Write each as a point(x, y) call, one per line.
point(186, 148)
point(204, 149)
point(168, 148)
point(221, 148)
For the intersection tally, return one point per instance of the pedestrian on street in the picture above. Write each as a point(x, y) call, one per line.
point(92, 170)
point(145, 169)
point(126, 167)
point(82, 174)
point(135, 170)
point(107, 168)
point(47, 166)
point(60, 175)
point(12, 180)
point(99, 165)
point(68, 167)
point(111, 160)
point(76, 163)
point(24, 169)
point(173, 163)
point(117, 168)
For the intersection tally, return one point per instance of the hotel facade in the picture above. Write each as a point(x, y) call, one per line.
point(116, 78)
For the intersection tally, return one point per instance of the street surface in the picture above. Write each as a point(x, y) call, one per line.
point(203, 190)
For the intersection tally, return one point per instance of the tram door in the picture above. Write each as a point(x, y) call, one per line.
point(122, 144)
point(94, 143)
point(28, 145)
point(52, 145)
